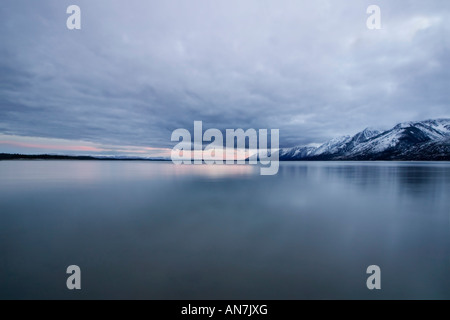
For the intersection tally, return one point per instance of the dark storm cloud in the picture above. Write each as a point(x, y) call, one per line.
point(137, 70)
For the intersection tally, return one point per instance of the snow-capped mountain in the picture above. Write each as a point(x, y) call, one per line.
point(333, 146)
point(297, 152)
point(365, 135)
point(421, 140)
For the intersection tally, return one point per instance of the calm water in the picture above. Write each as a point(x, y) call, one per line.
point(154, 230)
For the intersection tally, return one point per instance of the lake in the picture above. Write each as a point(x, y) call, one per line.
point(154, 230)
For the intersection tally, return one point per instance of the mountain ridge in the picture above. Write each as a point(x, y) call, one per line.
point(427, 140)
point(411, 140)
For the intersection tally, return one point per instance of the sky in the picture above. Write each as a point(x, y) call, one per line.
point(138, 70)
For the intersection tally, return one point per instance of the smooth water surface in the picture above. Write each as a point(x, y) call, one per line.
point(154, 230)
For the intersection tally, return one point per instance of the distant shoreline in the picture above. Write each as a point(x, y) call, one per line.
point(16, 156)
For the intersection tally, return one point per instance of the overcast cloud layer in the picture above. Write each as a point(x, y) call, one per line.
point(137, 70)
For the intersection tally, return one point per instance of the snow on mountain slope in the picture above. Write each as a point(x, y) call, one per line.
point(433, 150)
point(296, 152)
point(404, 135)
point(333, 146)
point(435, 129)
point(408, 140)
point(365, 135)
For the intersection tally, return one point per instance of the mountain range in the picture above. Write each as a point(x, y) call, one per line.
point(415, 140)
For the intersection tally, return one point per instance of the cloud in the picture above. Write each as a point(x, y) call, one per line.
point(138, 70)
point(24, 145)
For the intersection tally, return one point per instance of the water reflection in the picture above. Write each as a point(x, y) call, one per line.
point(214, 171)
point(17, 172)
point(419, 179)
point(159, 231)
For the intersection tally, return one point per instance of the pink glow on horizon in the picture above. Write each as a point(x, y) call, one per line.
point(52, 147)
point(79, 146)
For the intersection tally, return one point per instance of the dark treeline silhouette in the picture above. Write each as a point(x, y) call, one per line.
point(17, 156)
